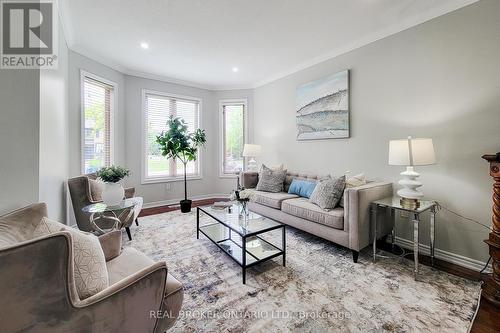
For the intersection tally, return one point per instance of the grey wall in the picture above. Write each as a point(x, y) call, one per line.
point(19, 134)
point(437, 80)
point(53, 143)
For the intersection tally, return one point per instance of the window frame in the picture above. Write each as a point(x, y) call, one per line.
point(113, 107)
point(166, 179)
point(222, 103)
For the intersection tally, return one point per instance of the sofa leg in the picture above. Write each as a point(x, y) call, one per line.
point(136, 222)
point(128, 233)
point(355, 255)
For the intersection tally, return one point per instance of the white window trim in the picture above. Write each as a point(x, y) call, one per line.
point(113, 108)
point(153, 180)
point(223, 102)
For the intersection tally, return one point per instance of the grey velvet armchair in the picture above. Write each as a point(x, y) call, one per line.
point(38, 292)
point(80, 192)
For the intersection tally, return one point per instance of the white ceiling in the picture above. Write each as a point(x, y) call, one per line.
point(199, 41)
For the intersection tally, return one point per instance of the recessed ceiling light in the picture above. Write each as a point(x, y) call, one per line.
point(145, 45)
point(235, 69)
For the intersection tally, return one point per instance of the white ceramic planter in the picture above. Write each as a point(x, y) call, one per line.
point(113, 194)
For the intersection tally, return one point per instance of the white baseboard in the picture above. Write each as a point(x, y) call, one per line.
point(176, 201)
point(453, 258)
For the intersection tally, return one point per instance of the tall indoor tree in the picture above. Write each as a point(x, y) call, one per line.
point(179, 144)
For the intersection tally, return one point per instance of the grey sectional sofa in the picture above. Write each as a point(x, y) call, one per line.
point(348, 226)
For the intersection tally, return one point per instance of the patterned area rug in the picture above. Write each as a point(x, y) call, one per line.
point(320, 290)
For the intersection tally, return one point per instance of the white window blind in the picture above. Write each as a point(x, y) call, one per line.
point(233, 137)
point(158, 109)
point(98, 101)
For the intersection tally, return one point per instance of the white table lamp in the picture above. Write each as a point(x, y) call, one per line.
point(252, 151)
point(411, 152)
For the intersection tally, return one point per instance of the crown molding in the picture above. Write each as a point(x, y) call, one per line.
point(166, 79)
point(373, 37)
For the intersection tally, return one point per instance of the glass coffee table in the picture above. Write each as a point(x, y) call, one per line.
point(239, 235)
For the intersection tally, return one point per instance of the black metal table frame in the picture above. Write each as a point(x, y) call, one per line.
point(243, 264)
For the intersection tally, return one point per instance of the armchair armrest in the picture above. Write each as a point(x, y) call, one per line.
point(111, 244)
point(357, 211)
point(129, 192)
point(131, 304)
point(249, 179)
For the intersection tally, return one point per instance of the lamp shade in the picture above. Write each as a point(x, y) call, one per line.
point(411, 152)
point(250, 150)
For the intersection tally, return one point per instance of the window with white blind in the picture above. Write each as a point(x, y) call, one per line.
point(158, 107)
point(98, 102)
point(233, 126)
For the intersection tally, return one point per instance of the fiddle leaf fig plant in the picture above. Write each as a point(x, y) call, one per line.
point(177, 143)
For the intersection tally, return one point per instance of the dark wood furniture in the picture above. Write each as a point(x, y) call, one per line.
point(491, 289)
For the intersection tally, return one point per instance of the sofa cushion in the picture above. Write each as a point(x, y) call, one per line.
point(91, 274)
point(301, 207)
point(131, 261)
point(269, 199)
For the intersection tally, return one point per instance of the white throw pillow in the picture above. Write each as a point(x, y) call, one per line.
point(91, 273)
point(355, 181)
point(351, 182)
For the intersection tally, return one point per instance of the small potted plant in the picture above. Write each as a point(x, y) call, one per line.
point(113, 192)
point(180, 145)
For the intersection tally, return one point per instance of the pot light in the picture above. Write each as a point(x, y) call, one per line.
point(235, 69)
point(145, 45)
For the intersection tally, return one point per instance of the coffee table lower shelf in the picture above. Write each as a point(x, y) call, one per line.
point(256, 249)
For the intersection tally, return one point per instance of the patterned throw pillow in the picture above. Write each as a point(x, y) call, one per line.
point(351, 182)
point(271, 180)
point(328, 192)
point(91, 273)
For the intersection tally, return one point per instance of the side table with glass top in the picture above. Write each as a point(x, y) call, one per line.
point(110, 217)
point(394, 204)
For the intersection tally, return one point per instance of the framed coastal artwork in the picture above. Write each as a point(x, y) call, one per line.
point(322, 108)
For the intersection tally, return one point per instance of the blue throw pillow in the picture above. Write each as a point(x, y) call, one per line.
point(303, 188)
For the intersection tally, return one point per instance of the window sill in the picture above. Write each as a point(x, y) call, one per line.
point(169, 179)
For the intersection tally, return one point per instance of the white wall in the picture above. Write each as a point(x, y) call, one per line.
point(53, 143)
point(437, 80)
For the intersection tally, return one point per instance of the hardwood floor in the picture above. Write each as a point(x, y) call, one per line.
point(488, 316)
point(169, 208)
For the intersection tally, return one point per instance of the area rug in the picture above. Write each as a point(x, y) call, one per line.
point(319, 290)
